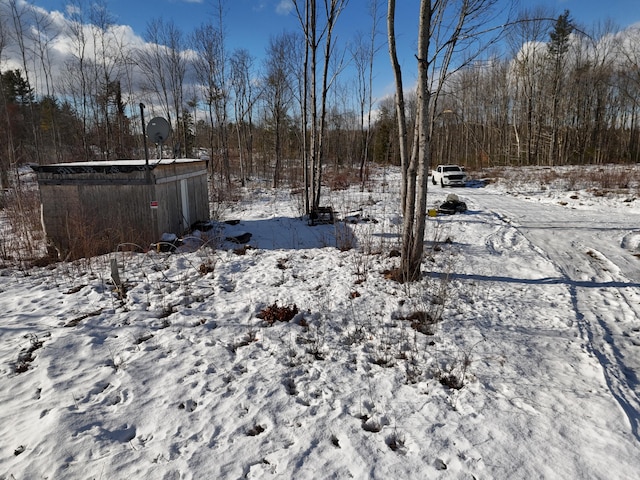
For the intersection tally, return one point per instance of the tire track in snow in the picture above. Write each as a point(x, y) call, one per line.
point(602, 277)
point(611, 343)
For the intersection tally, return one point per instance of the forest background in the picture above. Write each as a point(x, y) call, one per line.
point(539, 95)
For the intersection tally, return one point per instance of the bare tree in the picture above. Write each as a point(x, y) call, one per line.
point(221, 99)
point(164, 66)
point(445, 29)
point(78, 79)
point(44, 35)
point(241, 65)
point(277, 92)
point(557, 50)
point(209, 68)
point(592, 104)
point(526, 38)
point(20, 27)
point(204, 43)
point(363, 53)
point(7, 157)
point(399, 104)
point(630, 88)
point(109, 121)
point(314, 33)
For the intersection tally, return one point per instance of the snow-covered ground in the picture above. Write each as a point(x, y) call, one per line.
point(538, 294)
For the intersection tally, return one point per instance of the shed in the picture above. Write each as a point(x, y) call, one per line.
point(91, 207)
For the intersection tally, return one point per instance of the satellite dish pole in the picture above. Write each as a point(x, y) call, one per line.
point(144, 136)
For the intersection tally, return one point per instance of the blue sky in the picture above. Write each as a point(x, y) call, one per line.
point(250, 23)
point(252, 20)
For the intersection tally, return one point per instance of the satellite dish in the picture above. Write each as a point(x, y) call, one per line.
point(158, 130)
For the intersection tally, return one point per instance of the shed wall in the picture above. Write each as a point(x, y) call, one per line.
point(88, 212)
point(176, 213)
point(85, 218)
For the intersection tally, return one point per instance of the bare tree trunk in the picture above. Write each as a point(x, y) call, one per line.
point(42, 50)
point(309, 22)
point(241, 81)
point(372, 54)
point(400, 107)
point(468, 15)
point(413, 226)
point(222, 99)
point(7, 154)
point(323, 110)
point(20, 36)
point(77, 79)
point(313, 141)
point(304, 113)
point(363, 57)
point(278, 93)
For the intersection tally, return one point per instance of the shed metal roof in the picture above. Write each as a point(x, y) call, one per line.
point(111, 166)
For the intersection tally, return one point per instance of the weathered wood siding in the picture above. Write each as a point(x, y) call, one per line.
point(169, 180)
point(85, 210)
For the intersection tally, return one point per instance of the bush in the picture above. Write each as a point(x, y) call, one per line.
point(274, 313)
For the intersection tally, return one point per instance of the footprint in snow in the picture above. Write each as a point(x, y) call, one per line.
point(189, 405)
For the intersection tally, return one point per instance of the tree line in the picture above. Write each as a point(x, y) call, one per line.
point(550, 94)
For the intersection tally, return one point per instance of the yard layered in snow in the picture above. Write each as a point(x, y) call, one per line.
point(180, 379)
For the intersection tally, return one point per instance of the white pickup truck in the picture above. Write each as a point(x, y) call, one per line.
point(448, 176)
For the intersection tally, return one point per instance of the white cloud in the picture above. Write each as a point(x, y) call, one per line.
point(73, 10)
point(284, 7)
point(52, 29)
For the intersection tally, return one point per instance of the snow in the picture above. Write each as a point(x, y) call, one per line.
point(126, 163)
point(178, 378)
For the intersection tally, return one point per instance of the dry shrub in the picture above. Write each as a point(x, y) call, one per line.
point(26, 355)
point(619, 178)
point(242, 250)
point(609, 177)
point(341, 180)
point(423, 322)
point(345, 238)
point(25, 238)
point(89, 234)
point(395, 275)
point(206, 267)
point(452, 381)
point(275, 313)
point(596, 178)
point(82, 232)
point(221, 196)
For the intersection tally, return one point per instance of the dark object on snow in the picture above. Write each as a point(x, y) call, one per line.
point(358, 218)
point(202, 226)
point(168, 243)
point(240, 239)
point(232, 222)
point(452, 205)
point(449, 208)
point(321, 216)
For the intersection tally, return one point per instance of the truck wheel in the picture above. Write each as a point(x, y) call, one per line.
point(433, 180)
point(442, 183)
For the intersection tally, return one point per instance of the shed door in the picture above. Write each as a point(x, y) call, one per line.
point(184, 190)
